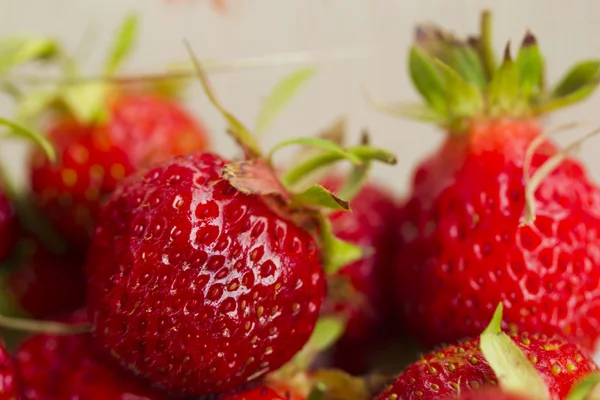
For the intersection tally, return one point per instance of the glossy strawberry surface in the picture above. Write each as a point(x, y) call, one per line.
point(462, 368)
point(71, 367)
point(488, 394)
point(140, 131)
point(463, 247)
point(258, 393)
point(196, 286)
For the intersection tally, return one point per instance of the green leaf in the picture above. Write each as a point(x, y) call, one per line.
point(463, 99)
point(86, 101)
point(337, 252)
point(466, 62)
point(123, 44)
point(281, 95)
point(241, 134)
point(503, 90)
point(319, 143)
point(318, 196)
point(15, 51)
point(22, 132)
point(530, 67)
point(515, 373)
point(580, 77)
point(427, 80)
point(326, 333)
point(34, 103)
point(586, 389)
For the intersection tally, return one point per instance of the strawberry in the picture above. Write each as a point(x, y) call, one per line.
point(466, 366)
point(370, 225)
point(9, 389)
point(99, 141)
point(258, 393)
point(204, 275)
point(488, 394)
point(467, 236)
point(8, 227)
point(45, 283)
point(69, 367)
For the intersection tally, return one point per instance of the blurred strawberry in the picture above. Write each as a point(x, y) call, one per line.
point(8, 227)
point(363, 296)
point(103, 132)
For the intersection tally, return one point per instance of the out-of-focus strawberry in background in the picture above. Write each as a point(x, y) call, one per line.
point(376, 33)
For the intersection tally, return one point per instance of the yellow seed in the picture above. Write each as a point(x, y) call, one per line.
point(578, 358)
point(432, 370)
point(474, 361)
point(418, 393)
point(533, 359)
point(475, 384)
point(570, 367)
point(435, 387)
point(525, 341)
point(393, 396)
point(460, 350)
point(556, 369)
point(451, 367)
point(295, 307)
point(259, 311)
point(69, 177)
point(440, 355)
point(250, 360)
point(117, 171)
point(411, 381)
point(455, 385)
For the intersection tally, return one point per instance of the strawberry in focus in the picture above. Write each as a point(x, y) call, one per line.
point(462, 367)
point(465, 241)
point(179, 259)
point(206, 274)
point(70, 367)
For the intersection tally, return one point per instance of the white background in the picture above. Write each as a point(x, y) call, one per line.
point(382, 29)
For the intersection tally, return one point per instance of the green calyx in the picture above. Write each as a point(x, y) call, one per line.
point(514, 371)
point(257, 175)
point(461, 80)
point(84, 99)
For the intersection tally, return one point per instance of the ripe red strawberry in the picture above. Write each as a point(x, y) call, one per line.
point(9, 386)
point(45, 283)
point(488, 394)
point(69, 367)
point(141, 130)
point(197, 286)
point(258, 393)
point(463, 368)
point(8, 227)
point(370, 225)
point(463, 245)
point(204, 274)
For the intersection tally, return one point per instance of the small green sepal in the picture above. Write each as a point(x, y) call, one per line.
point(123, 44)
point(428, 80)
point(319, 197)
point(514, 371)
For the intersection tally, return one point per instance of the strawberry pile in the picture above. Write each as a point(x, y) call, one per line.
point(137, 263)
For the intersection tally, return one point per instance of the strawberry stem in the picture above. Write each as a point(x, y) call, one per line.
point(533, 183)
point(239, 132)
point(47, 327)
point(487, 48)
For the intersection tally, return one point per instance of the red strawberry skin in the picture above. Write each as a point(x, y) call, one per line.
point(462, 249)
point(196, 286)
point(259, 393)
point(488, 394)
point(8, 227)
point(370, 225)
point(46, 283)
point(70, 367)
point(141, 130)
point(463, 368)
point(9, 389)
